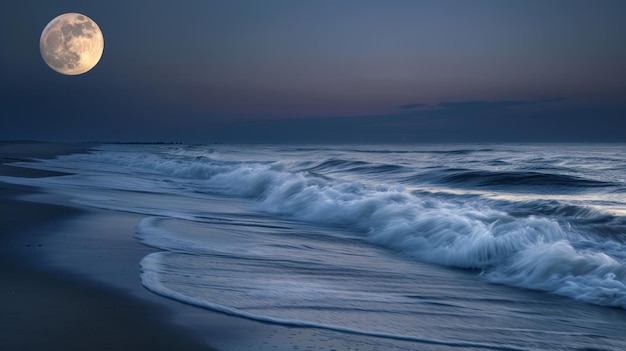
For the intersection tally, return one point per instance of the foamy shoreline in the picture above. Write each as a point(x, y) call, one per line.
point(71, 279)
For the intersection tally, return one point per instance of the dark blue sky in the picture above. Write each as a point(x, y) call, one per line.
point(323, 71)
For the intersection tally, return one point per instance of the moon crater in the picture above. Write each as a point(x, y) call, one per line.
point(71, 44)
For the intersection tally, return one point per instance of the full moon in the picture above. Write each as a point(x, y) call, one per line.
point(71, 44)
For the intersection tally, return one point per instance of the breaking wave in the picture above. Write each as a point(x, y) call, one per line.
point(546, 245)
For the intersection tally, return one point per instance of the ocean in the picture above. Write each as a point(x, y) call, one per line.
point(465, 246)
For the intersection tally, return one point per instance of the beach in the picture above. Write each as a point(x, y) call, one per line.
point(45, 309)
point(70, 280)
point(325, 247)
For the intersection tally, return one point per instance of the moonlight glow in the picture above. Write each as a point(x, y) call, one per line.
point(71, 44)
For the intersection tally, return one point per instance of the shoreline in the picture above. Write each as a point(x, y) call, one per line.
point(45, 309)
point(80, 238)
point(73, 282)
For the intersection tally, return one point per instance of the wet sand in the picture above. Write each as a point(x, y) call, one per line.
point(47, 310)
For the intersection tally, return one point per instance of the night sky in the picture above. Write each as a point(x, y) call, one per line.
point(273, 71)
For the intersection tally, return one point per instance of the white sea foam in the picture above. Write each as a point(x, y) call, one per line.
point(153, 266)
point(557, 267)
point(531, 252)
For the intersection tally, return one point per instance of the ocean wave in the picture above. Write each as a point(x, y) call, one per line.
point(586, 275)
point(589, 219)
point(538, 245)
point(472, 235)
point(520, 180)
point(424, 151)
point(359, 167)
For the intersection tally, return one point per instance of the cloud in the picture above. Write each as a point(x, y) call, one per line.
point(480, 106)
point(412, 106)
point(473, 106)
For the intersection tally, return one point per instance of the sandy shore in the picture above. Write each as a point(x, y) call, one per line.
point(46, 310)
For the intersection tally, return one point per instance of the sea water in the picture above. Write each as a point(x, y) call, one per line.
point(490, 246)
